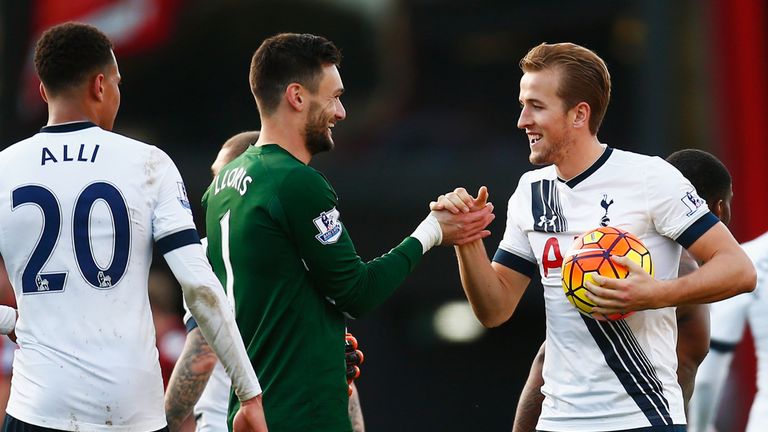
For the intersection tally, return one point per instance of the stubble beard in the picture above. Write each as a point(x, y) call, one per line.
point(316, 131)
point(554, 152)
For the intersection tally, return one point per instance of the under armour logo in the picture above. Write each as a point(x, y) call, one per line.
point(605, 220)
point(548, 222)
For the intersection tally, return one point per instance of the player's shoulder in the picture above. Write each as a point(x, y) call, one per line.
point(304, 176)
point(626, 157)
point(545, 173)
point(654, 169)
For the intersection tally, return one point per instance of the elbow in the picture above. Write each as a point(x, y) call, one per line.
point(750, 279)
point(491, 321)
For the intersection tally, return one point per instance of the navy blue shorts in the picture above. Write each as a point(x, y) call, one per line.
point(12, 424)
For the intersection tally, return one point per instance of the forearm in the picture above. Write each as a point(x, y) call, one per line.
point(356, 411)
point(364, 286)
point(492, 302)
point(725, 275)
point(189, 378)
point(727, 271)
point(205, 299)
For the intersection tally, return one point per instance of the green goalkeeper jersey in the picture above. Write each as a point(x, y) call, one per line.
point(278, 246)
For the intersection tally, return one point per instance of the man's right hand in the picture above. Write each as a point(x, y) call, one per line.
point(250, 416)
point(463, 218)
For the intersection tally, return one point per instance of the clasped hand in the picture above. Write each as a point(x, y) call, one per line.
point(462, 217)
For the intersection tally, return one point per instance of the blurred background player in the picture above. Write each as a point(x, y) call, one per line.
point(598, 375)
point(95, 202)
point(712, 182)
point(276, 241)
point(728, 318)
point(198, 379)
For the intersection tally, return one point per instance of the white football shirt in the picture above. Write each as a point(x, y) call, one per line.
point(80, 210)
point(727, 322)
point(605, 375)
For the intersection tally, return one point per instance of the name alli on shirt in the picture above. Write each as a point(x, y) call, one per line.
point(66, 154)
point(234, 178)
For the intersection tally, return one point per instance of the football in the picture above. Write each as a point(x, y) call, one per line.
point(590, 254)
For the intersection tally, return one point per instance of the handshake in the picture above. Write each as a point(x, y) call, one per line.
point(456, 218)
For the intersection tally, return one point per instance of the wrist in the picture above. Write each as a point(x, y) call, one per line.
point(428, 233)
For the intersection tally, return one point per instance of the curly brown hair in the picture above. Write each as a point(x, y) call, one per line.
point(68, 53)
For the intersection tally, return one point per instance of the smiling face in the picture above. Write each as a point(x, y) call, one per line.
point(325, 110)
point(544, 117)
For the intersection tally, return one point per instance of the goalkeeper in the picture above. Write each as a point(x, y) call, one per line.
point(277, 243)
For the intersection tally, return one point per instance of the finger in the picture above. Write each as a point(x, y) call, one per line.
point(435, 206)
point(459, 202)
point(600, 293)
point(606, 282)
point(479, 224)
point(477, 214)
point(464, 195)
point(632, 266)
point(448, 204)
point(482, 197)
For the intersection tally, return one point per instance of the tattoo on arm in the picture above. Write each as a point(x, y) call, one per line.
point(189, 377)
point(356, 411)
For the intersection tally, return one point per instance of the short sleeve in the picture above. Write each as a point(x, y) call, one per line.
point(172, 223)
point(676, 209)
point(515, 250)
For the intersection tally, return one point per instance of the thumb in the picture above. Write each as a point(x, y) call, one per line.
point(482, 196)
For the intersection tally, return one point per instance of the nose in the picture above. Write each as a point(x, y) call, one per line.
point(524, 120)
point(340, 113)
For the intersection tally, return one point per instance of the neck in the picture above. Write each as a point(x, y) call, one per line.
point(287, 134)
point(579, 157)
point(69, 111)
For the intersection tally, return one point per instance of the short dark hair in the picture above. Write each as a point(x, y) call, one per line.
point(583, 76)
point(68, 53)
point(707, 173)
point(289, 58)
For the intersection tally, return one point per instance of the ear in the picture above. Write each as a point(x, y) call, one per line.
point(718, 208)
point(96, 86)
point(42, 93)
point(295, 95)
point(581, 116)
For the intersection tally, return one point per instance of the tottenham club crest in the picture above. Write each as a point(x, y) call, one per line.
point(605, 220)
point(329, 226)
point(692, 201)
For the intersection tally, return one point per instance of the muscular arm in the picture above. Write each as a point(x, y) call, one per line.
point(189, 377)
point(492, 289)
point(529, 404)
point(726, 271)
